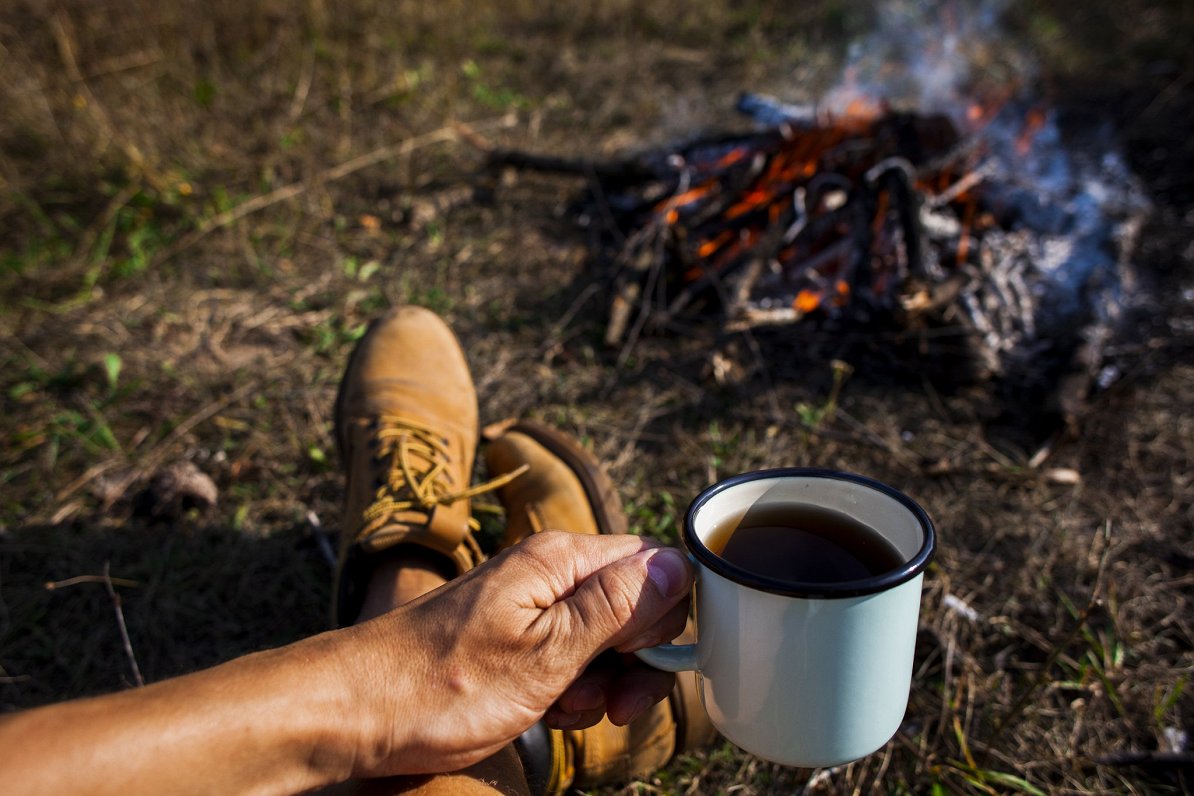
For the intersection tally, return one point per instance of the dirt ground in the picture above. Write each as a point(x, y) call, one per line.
point(201, 205)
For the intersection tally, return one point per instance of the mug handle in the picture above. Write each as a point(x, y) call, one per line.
point(673, 657)
point(670, 657)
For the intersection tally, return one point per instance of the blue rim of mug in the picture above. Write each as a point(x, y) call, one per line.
point(851, 588)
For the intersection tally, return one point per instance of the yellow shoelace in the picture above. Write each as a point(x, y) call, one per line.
point(417, 476)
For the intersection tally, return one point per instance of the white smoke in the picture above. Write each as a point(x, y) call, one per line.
point(931, 57)
point(1070, 197)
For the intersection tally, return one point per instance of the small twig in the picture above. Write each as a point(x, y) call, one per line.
point(124, 63)
point(51, 585)
point(961, 186)
point(469, 135)
point(124, 631)
point(321, 539)
point(306, 75)
point(1043, 453)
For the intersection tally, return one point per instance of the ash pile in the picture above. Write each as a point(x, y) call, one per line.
point(982, 235)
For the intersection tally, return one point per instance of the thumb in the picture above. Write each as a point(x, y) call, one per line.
point(625, 599)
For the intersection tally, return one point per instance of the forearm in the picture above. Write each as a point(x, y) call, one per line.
point(277, 721)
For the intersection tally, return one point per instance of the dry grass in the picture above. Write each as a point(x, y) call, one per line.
point(148, 316)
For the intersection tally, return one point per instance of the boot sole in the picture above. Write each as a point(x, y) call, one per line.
point(599, 489)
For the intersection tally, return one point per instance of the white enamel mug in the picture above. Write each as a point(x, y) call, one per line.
point(803, 674)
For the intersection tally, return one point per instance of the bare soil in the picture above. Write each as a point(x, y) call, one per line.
point(201, 204)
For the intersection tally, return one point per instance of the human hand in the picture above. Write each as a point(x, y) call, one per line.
point(448, 679)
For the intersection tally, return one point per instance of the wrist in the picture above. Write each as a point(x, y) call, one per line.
point(376, 695)
point(327, 723)
point(293, 711)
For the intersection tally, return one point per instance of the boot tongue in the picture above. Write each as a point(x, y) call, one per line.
point(446, 529)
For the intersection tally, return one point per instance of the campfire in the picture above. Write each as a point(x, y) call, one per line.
point(976, 230)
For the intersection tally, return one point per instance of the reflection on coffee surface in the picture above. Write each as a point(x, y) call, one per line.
point(804, 544)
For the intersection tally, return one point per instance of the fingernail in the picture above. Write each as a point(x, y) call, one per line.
point(668, 570)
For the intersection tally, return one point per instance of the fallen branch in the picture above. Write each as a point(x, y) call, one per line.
point(615, 171)
point(262, 201)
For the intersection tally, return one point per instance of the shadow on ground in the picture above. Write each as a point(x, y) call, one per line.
point(191, 597)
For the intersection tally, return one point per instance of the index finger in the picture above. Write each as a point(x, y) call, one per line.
point(563, 560)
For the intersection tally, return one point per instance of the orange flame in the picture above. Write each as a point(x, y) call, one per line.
point(756, 198)
point(731, 157)
point(707, 247)
point(807, 300)
point(842, 289)
point(669, 206)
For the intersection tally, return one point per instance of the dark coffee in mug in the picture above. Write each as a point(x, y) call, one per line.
point(804, 544)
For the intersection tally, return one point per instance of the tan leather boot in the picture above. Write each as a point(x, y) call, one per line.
point(564, 488)
point(406, 427)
